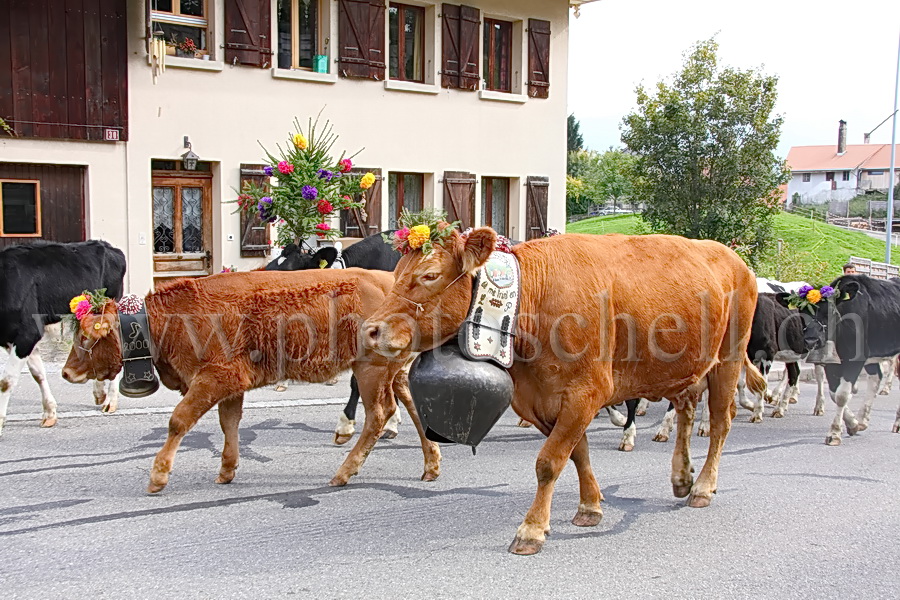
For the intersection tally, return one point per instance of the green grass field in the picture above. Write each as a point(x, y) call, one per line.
point(812, 250)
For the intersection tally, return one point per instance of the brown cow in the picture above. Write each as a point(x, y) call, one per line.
point(217, 337)
point(603, 319)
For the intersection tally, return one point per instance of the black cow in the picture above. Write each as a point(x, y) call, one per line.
point(863, 321)
point(37, 281)
point(369, 253)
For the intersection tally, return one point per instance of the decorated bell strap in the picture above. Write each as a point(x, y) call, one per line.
point(488, 331)
point(139, 378)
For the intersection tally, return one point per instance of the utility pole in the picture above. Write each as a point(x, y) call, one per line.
point(889, 222)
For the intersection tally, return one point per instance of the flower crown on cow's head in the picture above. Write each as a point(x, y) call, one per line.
point(93, 302)
point(807, 297)
point(421, 230)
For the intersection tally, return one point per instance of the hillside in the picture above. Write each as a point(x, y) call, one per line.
point(812, 251)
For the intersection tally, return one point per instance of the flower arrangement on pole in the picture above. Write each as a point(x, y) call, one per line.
point(307, 186)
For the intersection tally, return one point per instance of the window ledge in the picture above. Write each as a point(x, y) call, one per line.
point(411, 86)
point(502, 96)
point(301, 75)
point(179, 62)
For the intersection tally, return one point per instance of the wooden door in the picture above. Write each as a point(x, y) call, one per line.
point(182, 224)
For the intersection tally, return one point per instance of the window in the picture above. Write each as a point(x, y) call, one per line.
point(21, 208)
point(876, 172)
point(406, 27)
point(829, 176)
point(406, 191)
point(180, 20)
point(301, 35)
point(845, 176)
point(497, 55)
point(495, 203)
point(806, 177)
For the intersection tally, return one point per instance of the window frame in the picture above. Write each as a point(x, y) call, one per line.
point(176, 18)
point(323, 35)
point(401, 193)
point(805, 177)
point(401, 47)
point(37, 201)
point(488, 57)
point(487, 201)
point(845, 176)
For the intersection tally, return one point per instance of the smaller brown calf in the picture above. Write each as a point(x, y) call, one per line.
point(215, 338)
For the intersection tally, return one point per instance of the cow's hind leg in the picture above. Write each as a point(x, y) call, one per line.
point(230, 412)
point(48, 402)
point(8, 381)
point(204, 392)
point(629, 429)
point(430, 449)
point(392, 427)
point(665, 428)
point(819, 408)
point(682, 471)
point(875, 376)
point(590, 513)
point(346, 426)
point(703, 428)
point(788, 392)
point(722, 381)
point(841, 380)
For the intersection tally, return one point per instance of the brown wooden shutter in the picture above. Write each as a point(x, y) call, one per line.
point(361, 39)
point(538, 58)
point(450, 46)
point(459, 197)
point(247, 29)
point(254, 233)
point(362, 223)
point(148, 22)
point(537, 193)
point(469, 48)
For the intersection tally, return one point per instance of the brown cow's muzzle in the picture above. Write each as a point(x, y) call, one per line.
point(73, 376)
point(384, 339)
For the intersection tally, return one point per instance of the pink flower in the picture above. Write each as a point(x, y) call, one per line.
point(402, 234)
point(82, 310)
point(345, 165)
point(284, 167)
point(323, 227)
point(324, 207)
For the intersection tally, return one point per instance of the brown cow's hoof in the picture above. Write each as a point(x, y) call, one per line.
point(225, 477)
point(522, 423)
point(388, 434)
point(98, 400)
point(585, 518)
point(525, 547)
point(702, 432)
point(623, 447)
point(430, 476)
point(770, 399)
point(338, 481)
point(154, 488)
point(853, 430)
point(777, 413)
point(660, 437)
point(698, 501)
point(861, 427)
point(833, 440)
point(792, 400)
point(341, 439)
point(48, 422)
point(682, 491)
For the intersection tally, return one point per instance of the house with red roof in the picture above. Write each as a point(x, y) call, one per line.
point(825, 173)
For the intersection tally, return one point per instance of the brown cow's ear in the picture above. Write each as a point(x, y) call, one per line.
point(478, 248)
point(110, 308)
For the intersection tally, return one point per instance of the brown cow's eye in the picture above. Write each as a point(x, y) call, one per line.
point(430, 276)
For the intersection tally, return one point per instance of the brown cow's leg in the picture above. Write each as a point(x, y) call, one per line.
point(589, 510)
point(204, 392)
point(376, 392)
point(722, 382)
point(682, 478)
point(573, 420)
point(230, 411)
point(431, 450)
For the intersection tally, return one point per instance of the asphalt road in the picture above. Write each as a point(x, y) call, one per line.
point(792, 518)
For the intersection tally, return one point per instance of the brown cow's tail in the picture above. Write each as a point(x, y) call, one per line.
point(756, 383)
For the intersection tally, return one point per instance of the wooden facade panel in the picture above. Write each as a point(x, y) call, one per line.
point(61, 200)
point(63, 68)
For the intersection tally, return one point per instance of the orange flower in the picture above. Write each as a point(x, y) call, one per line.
point(813, 296)
point(418, 235)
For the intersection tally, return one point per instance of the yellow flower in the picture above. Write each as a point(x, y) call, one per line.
point(300, 141)
point(418, 235)
point(813, 296)
point(73, 303)
point(367, 181)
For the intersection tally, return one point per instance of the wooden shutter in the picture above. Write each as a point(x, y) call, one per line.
point(538, 58)
point(469, 48)
point(247, 28)
point(459, 197)
point(450, 46)
point(537, 192)
point(148, 22)
point(254, 233)
point(362, 223)
point(361, 38)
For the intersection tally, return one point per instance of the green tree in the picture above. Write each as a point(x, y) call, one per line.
point(705, 146)
point(575, 139)
point(613, 178)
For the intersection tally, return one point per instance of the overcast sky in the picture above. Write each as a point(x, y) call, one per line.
point(835, 60)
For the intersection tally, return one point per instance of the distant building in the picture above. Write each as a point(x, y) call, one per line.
point(823, 174)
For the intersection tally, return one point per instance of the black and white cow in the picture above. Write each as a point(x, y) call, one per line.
point(37, 281)
point(369, 253)
point(863, 322)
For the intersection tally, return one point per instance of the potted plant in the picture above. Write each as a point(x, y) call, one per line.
point(308, 186)
point(186, 48)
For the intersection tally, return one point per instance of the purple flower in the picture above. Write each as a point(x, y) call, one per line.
point(803, 291)
point(827, 291)
point(268, 171)
point(324, 174)
point(310, 192)
point(265, 203)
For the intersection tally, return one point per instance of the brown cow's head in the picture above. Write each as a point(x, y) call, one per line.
point(97, 349)
point(431, 295)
